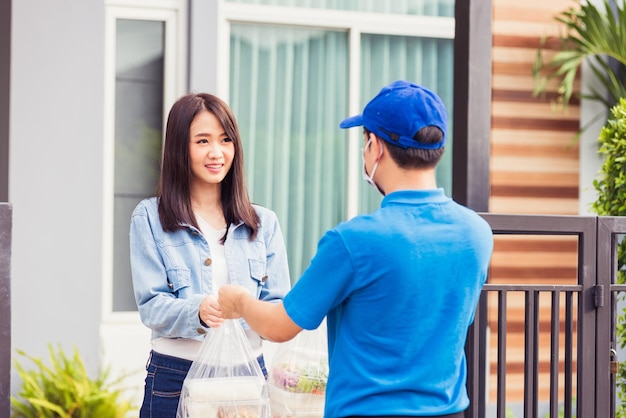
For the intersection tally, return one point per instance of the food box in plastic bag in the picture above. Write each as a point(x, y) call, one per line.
point(297, 382)
point(289, 404)
point(239, 409)
point(234, 397)
point(216, 389)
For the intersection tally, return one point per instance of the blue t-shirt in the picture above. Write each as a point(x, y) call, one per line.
point(399, 288)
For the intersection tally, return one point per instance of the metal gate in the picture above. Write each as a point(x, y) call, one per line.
point(583, 317)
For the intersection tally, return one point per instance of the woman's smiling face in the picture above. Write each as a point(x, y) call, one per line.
point(211, 151)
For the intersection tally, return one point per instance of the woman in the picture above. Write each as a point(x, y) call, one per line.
point(199, 232)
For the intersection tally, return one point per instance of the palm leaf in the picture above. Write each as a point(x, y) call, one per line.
point(588, 33)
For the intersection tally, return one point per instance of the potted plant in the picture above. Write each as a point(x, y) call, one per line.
point(64, 390)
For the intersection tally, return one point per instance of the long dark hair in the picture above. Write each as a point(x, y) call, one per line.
point(174, 183)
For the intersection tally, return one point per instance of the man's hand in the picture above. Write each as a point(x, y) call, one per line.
point(269, 320)
point(231, 299)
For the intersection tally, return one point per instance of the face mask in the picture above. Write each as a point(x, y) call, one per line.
point(370, 178)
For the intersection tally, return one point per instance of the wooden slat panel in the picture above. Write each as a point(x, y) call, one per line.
point(534, 168)
point(535, 259)
point(533, 137)
point(540, 244)
point(521, 205)
point(505, 178)
point(537, 109)
point(540, 150)
point(523, 164)
point(540, 11)
point(520, 28)
point(502, 122)
point(519, 79)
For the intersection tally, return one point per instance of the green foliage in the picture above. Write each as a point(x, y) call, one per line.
point(611, 187)
point(589, 34)
point(611, 201)
point(64, 390)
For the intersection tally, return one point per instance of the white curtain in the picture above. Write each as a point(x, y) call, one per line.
point(288, 90)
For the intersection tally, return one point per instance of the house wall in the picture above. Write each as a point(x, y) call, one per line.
point(55, 177)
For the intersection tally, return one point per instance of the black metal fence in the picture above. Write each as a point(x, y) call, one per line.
point(582, 324)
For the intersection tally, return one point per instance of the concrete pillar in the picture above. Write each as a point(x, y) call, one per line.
point(5, 309)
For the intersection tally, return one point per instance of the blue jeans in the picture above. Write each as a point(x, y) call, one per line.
point(164, 383)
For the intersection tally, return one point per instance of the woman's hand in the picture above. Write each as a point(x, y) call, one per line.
point(210, 312)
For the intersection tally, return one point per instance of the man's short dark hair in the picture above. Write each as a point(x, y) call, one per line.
point(416, 157)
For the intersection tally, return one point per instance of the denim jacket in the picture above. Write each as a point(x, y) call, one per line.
point(171, 271)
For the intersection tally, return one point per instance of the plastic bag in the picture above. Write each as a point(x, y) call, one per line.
point(225, 380)
point(297, 382)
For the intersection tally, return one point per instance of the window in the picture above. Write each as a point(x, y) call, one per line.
point(295, 69)
point(287, 86)
point(141, 84)
point(138, 143)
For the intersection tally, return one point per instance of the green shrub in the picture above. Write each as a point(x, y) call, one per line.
point(611, 201)
point(65, 390)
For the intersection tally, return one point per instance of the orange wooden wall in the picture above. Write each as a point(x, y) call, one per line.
point(534, 169)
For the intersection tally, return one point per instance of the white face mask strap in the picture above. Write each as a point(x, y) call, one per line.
point(370, 177)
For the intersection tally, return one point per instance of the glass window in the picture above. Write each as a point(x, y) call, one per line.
point(288, 87)
point(139, 68)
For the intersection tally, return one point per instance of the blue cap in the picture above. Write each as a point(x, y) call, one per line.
point(399, 111)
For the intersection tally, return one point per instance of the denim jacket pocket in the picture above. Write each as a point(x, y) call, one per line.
point(178, 280)
point(258, 271)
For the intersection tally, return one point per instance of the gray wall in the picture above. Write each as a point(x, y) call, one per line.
point(5, 72)
point(55, 176)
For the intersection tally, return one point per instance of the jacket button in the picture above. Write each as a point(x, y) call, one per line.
point(207, 262)
point(263, 279)
point(201, 331)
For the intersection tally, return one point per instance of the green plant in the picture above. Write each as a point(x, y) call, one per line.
point(611, 201)
point(593, 35)
point(65, 390)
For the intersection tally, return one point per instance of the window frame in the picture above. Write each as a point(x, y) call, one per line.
point(171, 13)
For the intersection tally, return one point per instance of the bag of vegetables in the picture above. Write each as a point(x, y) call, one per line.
point(297, 382)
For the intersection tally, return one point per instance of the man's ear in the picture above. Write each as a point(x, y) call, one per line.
point(378, 149)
